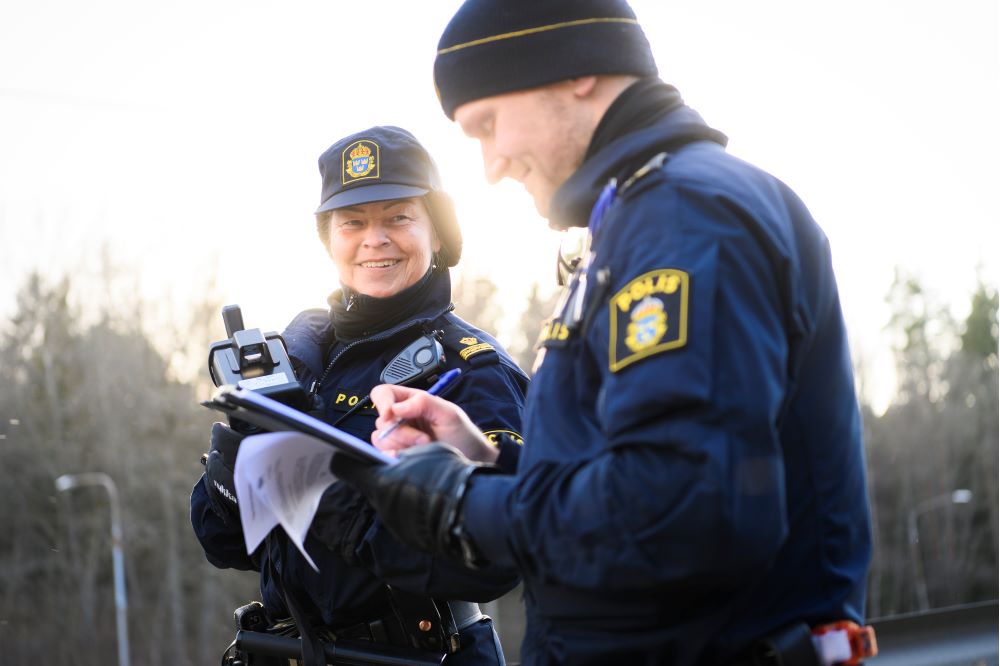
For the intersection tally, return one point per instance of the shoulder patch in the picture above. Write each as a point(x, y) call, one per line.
point(494, 436)
point(648, 316)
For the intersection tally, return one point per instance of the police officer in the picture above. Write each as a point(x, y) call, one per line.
point(392, 233)
point(692, 486)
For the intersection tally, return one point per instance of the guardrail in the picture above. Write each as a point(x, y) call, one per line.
point(957, 636)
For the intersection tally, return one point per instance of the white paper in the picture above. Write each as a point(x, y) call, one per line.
point(279, 478)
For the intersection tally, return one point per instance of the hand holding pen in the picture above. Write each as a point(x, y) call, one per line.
point(441, 384)
point(427, 418)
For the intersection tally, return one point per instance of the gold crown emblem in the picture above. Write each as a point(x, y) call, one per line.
point(361, 150)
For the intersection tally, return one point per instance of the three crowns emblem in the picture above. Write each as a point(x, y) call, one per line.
point(361, 160)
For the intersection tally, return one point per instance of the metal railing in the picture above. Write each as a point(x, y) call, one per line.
point(958, 636)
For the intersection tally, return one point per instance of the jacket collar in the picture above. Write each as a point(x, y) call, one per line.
point(573, 201)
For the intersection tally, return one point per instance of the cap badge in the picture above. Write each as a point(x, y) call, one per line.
point(361, 161)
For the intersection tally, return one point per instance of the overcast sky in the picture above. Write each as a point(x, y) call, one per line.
point(184, 136)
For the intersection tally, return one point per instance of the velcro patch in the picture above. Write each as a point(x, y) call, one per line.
point(648, 316)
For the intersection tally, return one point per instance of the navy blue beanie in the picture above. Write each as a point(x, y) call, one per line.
point(492, 47)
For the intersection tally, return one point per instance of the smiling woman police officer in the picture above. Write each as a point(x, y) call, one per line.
point(392, 234)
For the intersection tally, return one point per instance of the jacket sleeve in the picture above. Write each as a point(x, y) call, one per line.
point(493, 397)
point(223, 544)
point(683, 480)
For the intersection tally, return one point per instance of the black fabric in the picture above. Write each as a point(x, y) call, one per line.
point(356, 316)
point(312, 647)
point(640, 105)
point(418, 497)
point(341, 520)
point(621, 148)
point(510, 453)
point(220, 461)
point(492, 47)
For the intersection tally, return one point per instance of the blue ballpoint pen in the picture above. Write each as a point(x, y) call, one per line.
point(441, 384)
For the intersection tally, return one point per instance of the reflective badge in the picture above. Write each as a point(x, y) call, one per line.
point(648, 316)
point(494, 436)
point(361, 161)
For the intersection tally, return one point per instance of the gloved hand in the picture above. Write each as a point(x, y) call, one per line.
point(342, 519)
point(419, 498)
point(219, 464)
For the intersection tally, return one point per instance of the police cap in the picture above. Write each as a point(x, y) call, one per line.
point(384, 163)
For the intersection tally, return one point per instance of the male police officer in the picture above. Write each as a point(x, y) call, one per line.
point(692, 487)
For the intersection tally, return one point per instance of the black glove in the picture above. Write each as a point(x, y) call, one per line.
point(419, 498)
point(219, 463)
point(342, 519)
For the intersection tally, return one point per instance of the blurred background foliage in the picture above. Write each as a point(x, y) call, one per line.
point(101, 381)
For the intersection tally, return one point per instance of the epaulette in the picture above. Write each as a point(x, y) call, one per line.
point(654, 164)
point(472, 349)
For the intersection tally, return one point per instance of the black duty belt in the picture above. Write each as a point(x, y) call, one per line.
point(790, 646)
point(338, 653)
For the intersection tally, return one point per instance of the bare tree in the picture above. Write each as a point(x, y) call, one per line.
point(934, 546)
point(78, 397)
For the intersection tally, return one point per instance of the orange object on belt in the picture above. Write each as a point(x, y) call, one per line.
point(844, 643)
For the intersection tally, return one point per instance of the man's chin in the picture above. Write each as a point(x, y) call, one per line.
point(542, 203)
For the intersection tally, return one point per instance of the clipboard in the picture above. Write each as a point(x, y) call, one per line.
point(275, 416)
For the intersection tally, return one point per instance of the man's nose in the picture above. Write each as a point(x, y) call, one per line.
point(496, 168)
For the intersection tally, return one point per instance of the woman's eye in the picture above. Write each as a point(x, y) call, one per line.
point(400, 218)
point(350, 224)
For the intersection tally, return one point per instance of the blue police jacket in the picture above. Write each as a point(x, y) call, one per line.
point(491, 390)
point(693, 476)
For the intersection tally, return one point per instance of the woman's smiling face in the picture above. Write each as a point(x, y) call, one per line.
point(383, 247)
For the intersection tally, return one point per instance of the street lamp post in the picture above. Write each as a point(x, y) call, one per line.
point(960, 496)
point(68, 481)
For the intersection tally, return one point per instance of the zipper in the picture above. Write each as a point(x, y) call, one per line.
point(317, 384)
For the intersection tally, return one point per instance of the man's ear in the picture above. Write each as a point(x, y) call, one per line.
point(584, 86)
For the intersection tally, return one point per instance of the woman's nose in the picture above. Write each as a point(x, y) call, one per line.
point(375, 236)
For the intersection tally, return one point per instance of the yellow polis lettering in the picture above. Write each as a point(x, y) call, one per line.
point(340, 398)
point(353, 400)
point(554, 330)
point(658, 282)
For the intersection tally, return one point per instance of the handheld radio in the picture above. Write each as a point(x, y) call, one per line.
point(254, 360)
